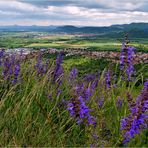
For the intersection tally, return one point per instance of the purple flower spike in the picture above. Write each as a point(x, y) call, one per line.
point(2, 52)
point(119, 103)
point(130, 69)
point(108, 79)
point(80, 111)
point(136, 121)
point(58, 71)
point(16, 73)
point(126, 61)
point(73, 74)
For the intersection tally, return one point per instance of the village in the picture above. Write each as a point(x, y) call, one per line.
point(27, 53)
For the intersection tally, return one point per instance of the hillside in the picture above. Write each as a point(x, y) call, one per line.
point(137, 30)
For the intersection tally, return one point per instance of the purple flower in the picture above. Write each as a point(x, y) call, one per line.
point(92, 121)
point(80, 111)
point(71, 108)
point(100, 102)
point(130, 68)
point(94, 84)
point(146, 85)
point(108, 79)
point(79, 89)
point(41, 67)
point(89, 77)
point(88, 93)
point(7, 68)
point(2, 52)
point(136, 121)
point(85, 92)
point(84, 110)
point(119, 103)
point(73, 74)
point(121, 61)
point(126, 61)
point(122, 57)
point(10, 69)
point(58, 71)
point(16, 73)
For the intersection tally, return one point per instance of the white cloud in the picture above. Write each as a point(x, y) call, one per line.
point(101, 12)
point(17, 6)
point(121, 4)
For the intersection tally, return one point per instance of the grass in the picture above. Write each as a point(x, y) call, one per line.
point(29, 117)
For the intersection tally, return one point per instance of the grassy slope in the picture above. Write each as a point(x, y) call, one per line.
point(30, 118)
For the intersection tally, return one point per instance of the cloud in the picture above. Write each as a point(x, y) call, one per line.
point(16, 6)
point(105, 4)
point(72, 12)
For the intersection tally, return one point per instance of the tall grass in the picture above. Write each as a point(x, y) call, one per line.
point(34, 111)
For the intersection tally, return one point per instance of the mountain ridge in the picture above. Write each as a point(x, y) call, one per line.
point(134, 29)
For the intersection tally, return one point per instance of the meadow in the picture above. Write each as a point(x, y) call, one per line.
point(37, 40)
point(76, 101)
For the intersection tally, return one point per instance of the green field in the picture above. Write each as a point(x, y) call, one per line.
point(45, 40)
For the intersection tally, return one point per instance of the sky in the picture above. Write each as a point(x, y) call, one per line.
point(72, 12)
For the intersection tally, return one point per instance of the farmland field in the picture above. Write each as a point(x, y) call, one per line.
point(44, 40)
point(60, 100)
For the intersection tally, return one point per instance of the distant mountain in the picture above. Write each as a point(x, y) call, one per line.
point(27, 28)
point(137, 30)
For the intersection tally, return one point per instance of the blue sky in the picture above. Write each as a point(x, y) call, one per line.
point(72, 12)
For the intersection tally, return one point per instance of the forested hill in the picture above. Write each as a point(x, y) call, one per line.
point(137, 30)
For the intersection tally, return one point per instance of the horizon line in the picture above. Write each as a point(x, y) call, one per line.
point(73, 25)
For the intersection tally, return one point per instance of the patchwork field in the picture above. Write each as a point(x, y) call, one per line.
point(44, 40)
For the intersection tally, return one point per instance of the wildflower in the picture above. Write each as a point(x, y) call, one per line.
point(16, 73)
point(84, 91)
point(108, 79)
point(58, 71)
point(73, 107)
point(89, 77)
point(7, 68)
point(2, 53)
point(122, 64)
point(119, 103)
point(41, 67)
point(136, 121)
point(94, 84)
point(1, 56)
point(131, 102)
point(100, 102)
point(130, 67)
point(81, 112)
point(84, 110)
point(79, 89)
point(146, 85)
point(73, 74)
point(126, 61)
point(88, 93)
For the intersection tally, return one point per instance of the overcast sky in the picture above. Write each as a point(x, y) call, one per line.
point(72, 12)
